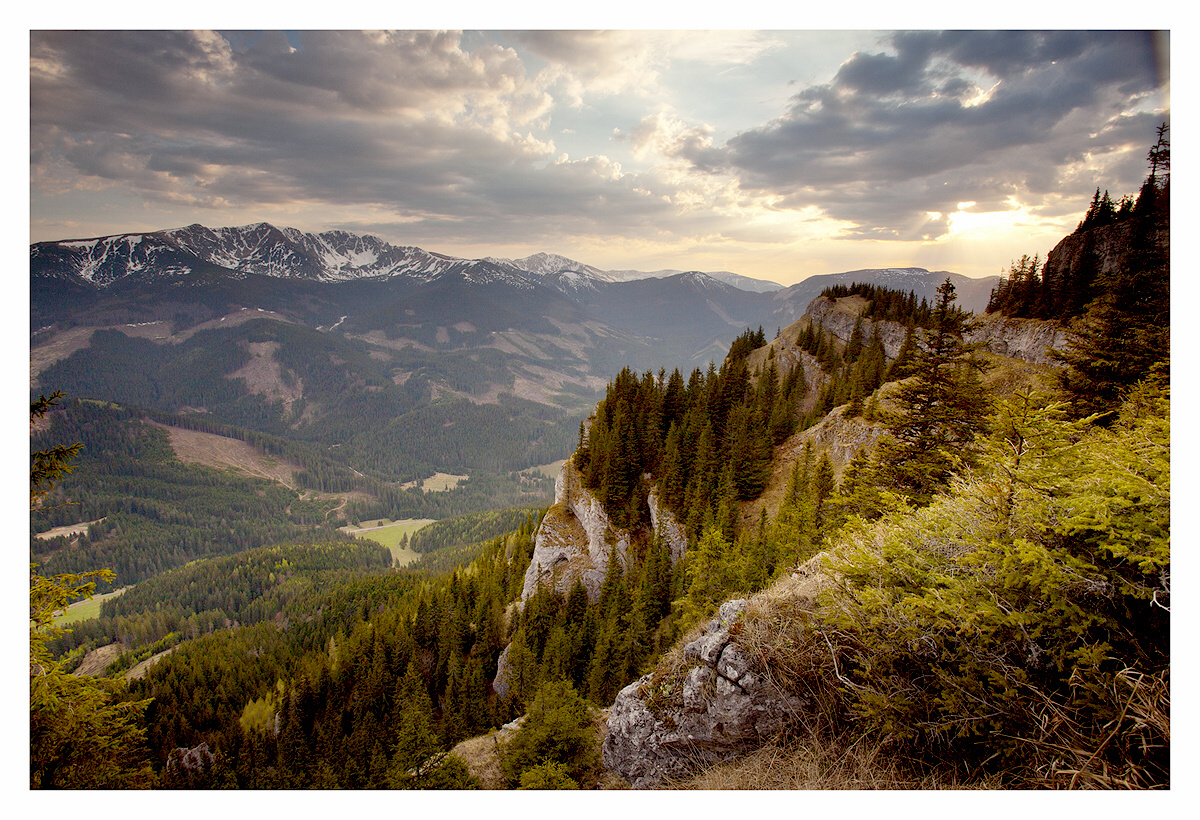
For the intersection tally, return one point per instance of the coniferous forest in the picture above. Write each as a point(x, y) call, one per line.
point(1000, 534)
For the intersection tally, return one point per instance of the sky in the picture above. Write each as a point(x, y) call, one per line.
point(776, 153)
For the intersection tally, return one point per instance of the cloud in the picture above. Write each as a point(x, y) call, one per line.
point(897, 135)
point(380, 118)
point(627, 135)
point(596, 64)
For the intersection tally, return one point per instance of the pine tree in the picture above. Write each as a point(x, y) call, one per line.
point(940, 412)
point(418, 758)
point(708, 573)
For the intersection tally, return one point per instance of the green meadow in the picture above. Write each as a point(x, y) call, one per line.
point(390, 533)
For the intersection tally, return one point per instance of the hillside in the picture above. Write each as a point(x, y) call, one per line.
point(890, 528)
point(387, 360)
point(616, 597)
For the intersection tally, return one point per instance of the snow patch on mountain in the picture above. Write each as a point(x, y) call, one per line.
point(332, 256)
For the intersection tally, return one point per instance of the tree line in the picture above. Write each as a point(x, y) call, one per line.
point(1068, 291)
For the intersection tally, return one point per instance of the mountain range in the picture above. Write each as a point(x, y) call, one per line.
point(334, 271)
point(303, 334)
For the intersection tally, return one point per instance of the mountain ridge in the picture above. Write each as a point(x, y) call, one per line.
point(285, 252)
point(342, 256)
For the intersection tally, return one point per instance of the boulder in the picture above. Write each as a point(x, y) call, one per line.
point(725, 707)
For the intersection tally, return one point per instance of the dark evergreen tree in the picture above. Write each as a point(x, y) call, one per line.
point(1126, 329)
point(940, 411)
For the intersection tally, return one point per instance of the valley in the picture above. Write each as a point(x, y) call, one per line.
point(358, 531)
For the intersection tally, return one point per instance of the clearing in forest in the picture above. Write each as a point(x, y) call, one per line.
point(389, 533)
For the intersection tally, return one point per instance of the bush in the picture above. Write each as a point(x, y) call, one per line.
point(557, 729)
point(1024, 615)
point(547, 776)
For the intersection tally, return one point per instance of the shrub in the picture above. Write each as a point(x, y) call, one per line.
point(1025, 614)
point(558, 729)
point(549, 775)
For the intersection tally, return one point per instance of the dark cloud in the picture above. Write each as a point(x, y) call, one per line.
point(883, 143)
point(882, 73)
point(437, 128)
point(196, 116)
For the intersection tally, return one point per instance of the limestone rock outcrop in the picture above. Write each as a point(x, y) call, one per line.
point(1024, 339)
point(576, 540)
point(724, 707)
point(838, 316)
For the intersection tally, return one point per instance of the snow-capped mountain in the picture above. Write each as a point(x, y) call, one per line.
point(263, 249)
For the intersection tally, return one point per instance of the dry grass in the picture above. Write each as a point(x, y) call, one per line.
point(482, 758)
point(95, 662)
point(812, 764)
point(223, 453)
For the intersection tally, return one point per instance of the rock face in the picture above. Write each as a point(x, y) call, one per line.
point(667, 525)
point(1107, 248)
point(725, 707)
point(576, 540)
point(838, 316)
point(1025, 339)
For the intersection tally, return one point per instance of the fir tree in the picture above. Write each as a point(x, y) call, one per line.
point(939, 414)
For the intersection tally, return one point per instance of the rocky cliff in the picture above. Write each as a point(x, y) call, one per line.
point(577, 539)
point(717, 699)
point(1025, 339)
point(1107, 248)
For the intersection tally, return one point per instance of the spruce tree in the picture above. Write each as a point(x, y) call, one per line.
point(1126, 329)
point(940, 411)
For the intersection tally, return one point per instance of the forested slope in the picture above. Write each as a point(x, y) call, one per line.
point(954, 559)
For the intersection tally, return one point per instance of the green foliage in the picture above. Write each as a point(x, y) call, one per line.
point(418, 761)
point(51, 465)
point(464, 530)
point(157, 513)
point(558, 729)
point(551, 775)
point(83, 732)
point(886, 304)
point(709, 574)
point(1124, 333)
point(939, 412)
point(1022, 613)
point(688, 437)
point(207, 594)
